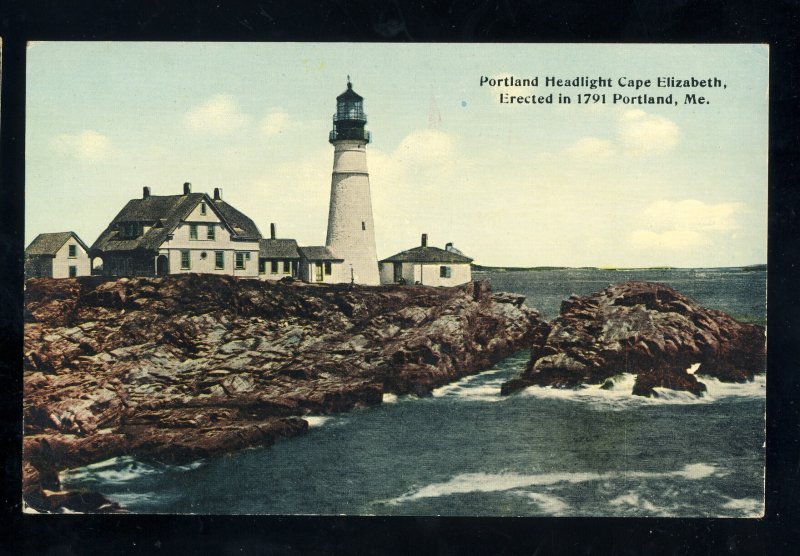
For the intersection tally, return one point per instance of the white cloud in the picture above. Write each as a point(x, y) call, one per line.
point(425, 147)
point(591, 148)
point(86, 146)
point(219, 115)
point(684, 225)
point(276, 122)
point(644, 134)
point(671, 240)
point(694, 215)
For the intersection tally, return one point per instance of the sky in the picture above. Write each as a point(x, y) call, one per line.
point(608, 185)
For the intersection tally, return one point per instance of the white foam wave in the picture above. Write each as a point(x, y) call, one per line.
point(718, 389)
point(634, 500)
point(128, 499)
point(115, 471)
point(745, 507)
point(551, 505)
point(389, 398)
point(113, 462)
point(120, 470)
point(188, 466)
point(499, 482)
point(620, 395)
point(695, 471)
point(317, 420)
point(466, 389)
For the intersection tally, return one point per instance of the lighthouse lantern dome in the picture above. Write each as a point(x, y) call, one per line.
point(350, 105)
point(349, 119)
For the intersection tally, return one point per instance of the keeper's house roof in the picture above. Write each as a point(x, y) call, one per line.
point(319, 253)
point(49, 244)
point(427, 255)
point(163, 213)
point(277, 249)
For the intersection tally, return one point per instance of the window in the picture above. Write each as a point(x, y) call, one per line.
point(73, 251)
point(186, 260)
point(444, 272)
point(262, 266)
point(273, 267)
point(192, 231)
point(203, 209)
point(211, 233)
point(286, 267)
point(130, 229)
point(219, 260)
point(240, 259)
point(363, 225)
point(328, 269)
point(73, 271)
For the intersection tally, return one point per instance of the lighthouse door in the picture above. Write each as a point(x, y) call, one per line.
point(318, 272)
point(398, 272)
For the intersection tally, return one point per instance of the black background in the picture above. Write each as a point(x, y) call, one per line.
point(716, 21)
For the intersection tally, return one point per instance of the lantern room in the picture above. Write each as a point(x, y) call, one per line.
point(349, 119)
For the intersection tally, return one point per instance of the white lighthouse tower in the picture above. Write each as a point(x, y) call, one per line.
point(351, 231)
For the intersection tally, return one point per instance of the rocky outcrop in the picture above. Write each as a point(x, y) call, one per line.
point(184, 367)
point(643, 328)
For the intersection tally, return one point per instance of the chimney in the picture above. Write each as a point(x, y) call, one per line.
point(272, 231)
point(145, 192)
point(449, 246)
point(217, 194)
point(424, 240)
point(187, 188)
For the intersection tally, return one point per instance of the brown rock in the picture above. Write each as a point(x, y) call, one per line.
point(644, 328)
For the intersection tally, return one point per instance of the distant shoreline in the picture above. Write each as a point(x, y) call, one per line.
point(483, 268)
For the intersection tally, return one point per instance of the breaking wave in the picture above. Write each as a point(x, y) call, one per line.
point(620, 397)
point(745, 507)
point(478, 388)
point(316, 420)
point(634, 500)
point(549, 504)
point(499, 482)
point(121, 470)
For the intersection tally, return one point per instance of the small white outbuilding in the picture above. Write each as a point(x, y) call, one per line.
point(57, 255)
point(427, 266)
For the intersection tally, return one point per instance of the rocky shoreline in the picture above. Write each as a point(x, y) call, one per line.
point(647, 329)
point(180, 368)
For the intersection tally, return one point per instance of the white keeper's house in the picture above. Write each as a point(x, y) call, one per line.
point(427, 266)
point(57, 255)
point(174, 234)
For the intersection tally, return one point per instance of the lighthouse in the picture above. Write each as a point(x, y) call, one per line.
point(351, 231)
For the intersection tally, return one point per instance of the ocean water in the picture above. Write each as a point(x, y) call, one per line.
point(740, 293)
point(466, 450)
